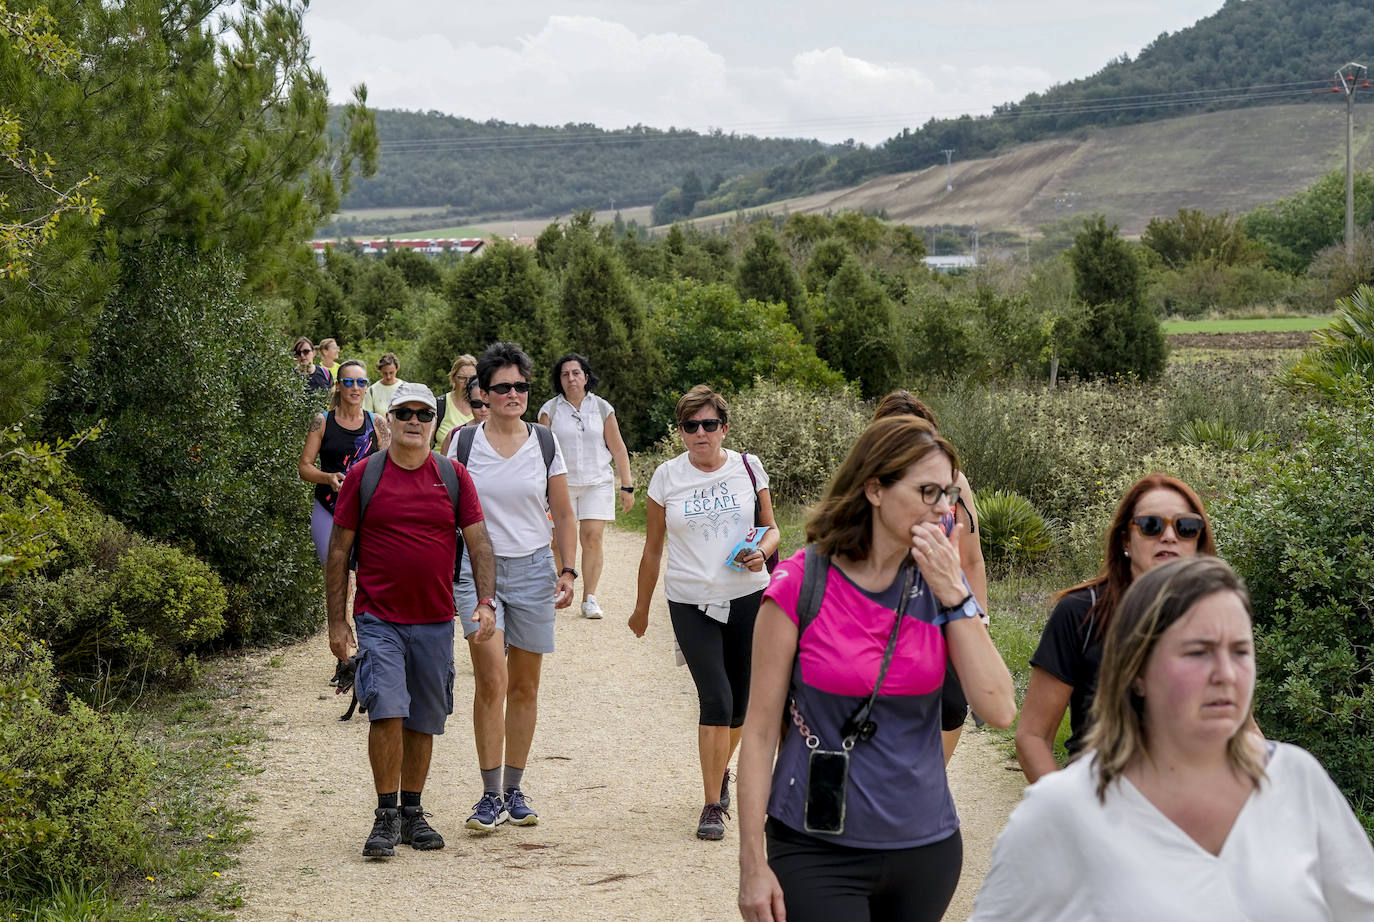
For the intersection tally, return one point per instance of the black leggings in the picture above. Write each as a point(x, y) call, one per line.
point(824, 882)
point(718, 656)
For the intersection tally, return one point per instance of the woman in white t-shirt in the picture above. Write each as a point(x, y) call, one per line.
point(703, 503)
point(590, 438)
point(378, 397)
point(1178, 810)
point(518, 488)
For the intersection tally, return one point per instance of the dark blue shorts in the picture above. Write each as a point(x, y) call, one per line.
point(405, 670)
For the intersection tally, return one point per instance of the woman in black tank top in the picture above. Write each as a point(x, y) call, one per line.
point(337, 440)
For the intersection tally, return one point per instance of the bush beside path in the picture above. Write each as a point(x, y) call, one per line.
point(613, 775)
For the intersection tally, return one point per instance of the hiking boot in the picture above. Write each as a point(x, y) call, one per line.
point(712, 823)
point(488, 813)
point(590, 609)
point(725, 791)
point(416, 832)
point(519, 810)
point(386, 832)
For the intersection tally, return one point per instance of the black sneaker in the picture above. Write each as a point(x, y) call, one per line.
point(386, 832)
point(712, 823)
point(725, 791)
point(416, 832)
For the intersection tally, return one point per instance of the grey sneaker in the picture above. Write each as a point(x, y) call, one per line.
point(416, 831)
point(725, 791)
point(386, 832)
point(712, 823)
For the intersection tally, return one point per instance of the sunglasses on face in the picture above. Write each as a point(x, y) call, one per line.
point(478, 405)
point(931, 493)
point(690, 426)
point(406, 414)
point(520, 387)
point(1187, 527)
point(305, 350)
point(353, 382)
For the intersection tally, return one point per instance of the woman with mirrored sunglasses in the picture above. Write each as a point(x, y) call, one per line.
point(702, 504)
point(339, 438)
point(1159, 519)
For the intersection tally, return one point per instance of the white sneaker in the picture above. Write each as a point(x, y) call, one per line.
point(590, 609)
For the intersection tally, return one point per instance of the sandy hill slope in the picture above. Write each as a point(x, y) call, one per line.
point(1218, 161)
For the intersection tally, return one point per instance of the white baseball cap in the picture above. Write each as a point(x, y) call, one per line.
point(410, 392)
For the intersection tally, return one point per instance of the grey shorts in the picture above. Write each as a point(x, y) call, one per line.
point(524, 599)
point(405, 670)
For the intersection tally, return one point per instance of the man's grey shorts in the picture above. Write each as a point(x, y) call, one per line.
point(405, 670)
point(524, 599)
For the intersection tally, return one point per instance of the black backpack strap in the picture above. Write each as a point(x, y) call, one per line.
point(815, 573)
point(440, 409)
point(545, 435)
point(450, 478)
point(464, 450)
point(372, 475)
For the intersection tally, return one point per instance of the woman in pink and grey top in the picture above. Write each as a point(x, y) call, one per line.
point(895, 608)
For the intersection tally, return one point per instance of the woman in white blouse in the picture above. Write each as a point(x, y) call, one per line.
point(590, 438)
point(1176, 810)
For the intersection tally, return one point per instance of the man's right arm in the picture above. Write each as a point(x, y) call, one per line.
point(341, 640)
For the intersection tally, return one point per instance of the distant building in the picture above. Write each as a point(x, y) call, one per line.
point(464, 246)
point(957, 263)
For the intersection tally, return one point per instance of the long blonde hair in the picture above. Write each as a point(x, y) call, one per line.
point(1155, 601)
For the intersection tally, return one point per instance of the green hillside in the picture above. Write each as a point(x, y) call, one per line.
point(491, 168)
point(1249, 53)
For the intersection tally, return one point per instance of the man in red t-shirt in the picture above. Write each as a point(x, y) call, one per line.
point(403, 609)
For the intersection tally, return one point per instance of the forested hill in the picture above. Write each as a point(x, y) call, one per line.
point(485, 168)
point(1250, 52)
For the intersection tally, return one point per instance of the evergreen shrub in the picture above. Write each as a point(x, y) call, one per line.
point(204, 424)
point(1302, 536)
point(1012, 532)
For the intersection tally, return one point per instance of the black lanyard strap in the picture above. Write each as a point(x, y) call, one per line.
point(858, 726)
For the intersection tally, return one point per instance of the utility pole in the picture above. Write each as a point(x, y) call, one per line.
point(1350, 78)
point(975, 243)
point(949, 158)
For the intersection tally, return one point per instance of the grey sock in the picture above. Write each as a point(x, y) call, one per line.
point(513, 776)
point(491, 781)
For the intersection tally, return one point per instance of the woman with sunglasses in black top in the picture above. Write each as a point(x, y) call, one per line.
point(1159, 519)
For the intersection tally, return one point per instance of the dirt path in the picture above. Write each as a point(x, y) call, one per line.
point(613, 774)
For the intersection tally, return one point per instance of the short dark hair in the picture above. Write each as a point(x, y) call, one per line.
point(691, 403)
point(556, 373)
point(498, 356)
point(904, 403)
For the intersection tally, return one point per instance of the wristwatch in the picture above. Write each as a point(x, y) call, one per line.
point(968, 608)
point(489, 603)
point(568, 570)
point(627, 489)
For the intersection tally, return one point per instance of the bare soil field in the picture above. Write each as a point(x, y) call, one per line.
point(1285, 339)
point(613, 775)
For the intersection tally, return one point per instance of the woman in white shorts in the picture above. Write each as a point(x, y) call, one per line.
point(518, 484)
point(590, 438)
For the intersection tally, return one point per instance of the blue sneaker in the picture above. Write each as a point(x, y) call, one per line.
point(488, 813)
point(518, 810)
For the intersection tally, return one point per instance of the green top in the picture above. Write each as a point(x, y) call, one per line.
point(453, 418)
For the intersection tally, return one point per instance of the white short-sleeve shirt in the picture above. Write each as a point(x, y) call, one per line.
point(708, 513)
point(514, 492)
point(581, 432)
point(1295, 854)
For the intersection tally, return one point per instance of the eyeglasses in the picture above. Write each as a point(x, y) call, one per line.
point(305, 350)
point(406, 414)
point(1187, 527)
point(520, 387)
point(690, 426)
point(478, 405)
point(931, 493)
point(353, 382)
point(577, 418)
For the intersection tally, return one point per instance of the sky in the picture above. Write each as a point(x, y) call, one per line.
point(862, 70)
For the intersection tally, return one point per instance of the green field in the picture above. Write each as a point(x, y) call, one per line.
point(1243, 325)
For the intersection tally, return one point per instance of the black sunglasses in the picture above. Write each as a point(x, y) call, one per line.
point(406, 414)
point(1187, 527)
point(520, 387)
point(477, 404)
point(690, 426)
